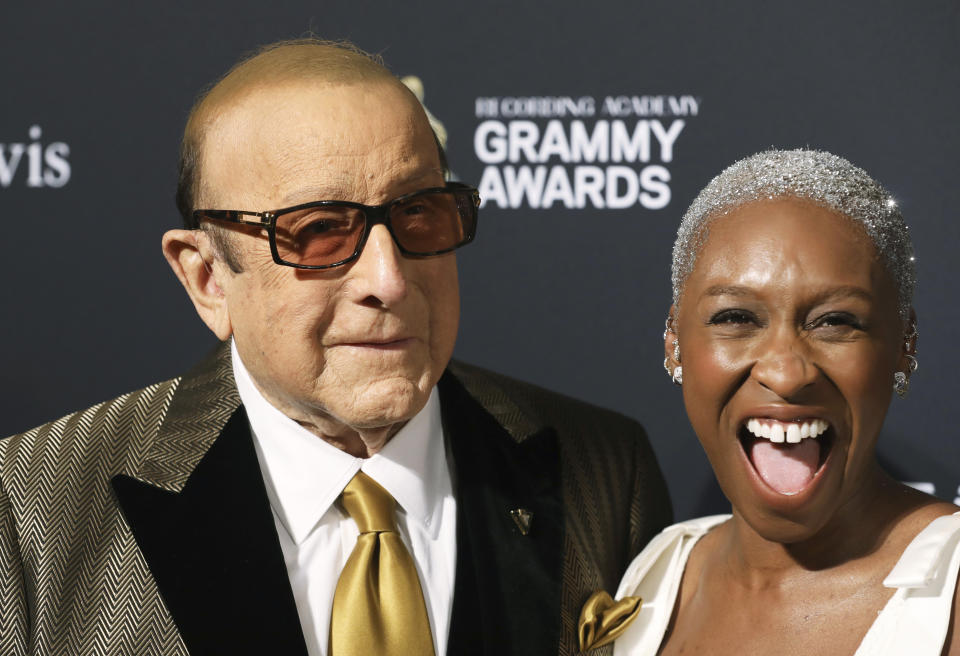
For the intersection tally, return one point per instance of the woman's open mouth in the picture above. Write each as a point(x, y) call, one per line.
point(786, 454)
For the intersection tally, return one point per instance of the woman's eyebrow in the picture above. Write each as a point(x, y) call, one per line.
point(728, 290)
point(838, 291)
point(844, 291)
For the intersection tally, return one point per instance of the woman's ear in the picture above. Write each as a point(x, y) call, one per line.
point(190, 254)
point(671, 343)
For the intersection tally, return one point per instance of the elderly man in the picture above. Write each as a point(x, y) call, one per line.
point(326, 481)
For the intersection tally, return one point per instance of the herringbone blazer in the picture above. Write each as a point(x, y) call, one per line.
point(141, 526)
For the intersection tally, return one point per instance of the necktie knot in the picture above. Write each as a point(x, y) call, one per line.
point(370, 506)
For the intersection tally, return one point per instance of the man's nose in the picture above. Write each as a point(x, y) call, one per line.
point(378, 273)
point(783, 364)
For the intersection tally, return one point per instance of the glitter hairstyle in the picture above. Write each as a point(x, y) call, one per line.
point(816, 176)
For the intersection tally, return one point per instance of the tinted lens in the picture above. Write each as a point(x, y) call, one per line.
point(433, 221)
point(318, 236)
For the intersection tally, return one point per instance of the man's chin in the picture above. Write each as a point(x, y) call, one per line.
point(384, 404)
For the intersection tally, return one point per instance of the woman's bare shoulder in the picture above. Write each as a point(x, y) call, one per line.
point(916, 514)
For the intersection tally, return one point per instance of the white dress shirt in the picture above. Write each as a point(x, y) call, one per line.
point(304, 476)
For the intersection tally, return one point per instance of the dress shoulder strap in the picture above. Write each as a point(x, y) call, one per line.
point(916, 619)
point(655, 576)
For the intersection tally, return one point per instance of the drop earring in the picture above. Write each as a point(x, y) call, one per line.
point(901, 384)
point(677, 374)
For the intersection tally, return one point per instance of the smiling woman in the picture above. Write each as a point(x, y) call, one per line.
point(791, 327)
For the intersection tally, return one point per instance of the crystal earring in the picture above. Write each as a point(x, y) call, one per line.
point(677, 375)
point(901, 384)
point(910, 339)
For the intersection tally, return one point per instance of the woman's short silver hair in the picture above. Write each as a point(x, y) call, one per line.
point(813, 175)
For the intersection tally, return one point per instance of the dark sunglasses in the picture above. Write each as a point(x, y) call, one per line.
point(328, 233)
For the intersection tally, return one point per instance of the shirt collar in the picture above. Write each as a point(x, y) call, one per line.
point(304, 474)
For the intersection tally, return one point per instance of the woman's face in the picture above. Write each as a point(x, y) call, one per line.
point(789, 338)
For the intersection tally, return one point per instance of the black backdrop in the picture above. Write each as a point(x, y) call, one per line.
point(90, 309)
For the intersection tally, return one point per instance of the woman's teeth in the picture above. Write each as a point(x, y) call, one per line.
point(790, 432)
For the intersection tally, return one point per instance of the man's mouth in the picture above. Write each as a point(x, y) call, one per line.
point(380, 343)
point(786, 454)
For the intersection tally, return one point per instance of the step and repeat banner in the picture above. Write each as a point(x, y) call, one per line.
point(587, 127)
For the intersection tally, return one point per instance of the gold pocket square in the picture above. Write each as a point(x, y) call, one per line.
point(602, 619)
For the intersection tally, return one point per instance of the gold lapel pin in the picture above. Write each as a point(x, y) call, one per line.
point(522, 518)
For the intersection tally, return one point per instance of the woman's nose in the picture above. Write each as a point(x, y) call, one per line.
point(783, 364)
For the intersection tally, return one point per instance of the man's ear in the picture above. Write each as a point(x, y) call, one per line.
point(190, 255)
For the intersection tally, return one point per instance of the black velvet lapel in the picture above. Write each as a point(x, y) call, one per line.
point(214, 552)
point(507, 596)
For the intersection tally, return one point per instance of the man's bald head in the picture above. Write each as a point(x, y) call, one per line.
point(327, 62)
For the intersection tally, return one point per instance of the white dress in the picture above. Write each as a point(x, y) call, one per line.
point(914, 622)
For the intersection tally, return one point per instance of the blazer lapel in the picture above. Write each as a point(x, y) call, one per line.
point(198, 510)
point(507, 596)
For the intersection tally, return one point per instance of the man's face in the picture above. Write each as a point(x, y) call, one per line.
point(358, 346)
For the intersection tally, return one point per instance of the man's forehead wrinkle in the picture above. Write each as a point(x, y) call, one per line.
point(367, 175)
point(336, 185)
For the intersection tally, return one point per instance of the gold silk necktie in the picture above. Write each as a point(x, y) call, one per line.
point(378, 606)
